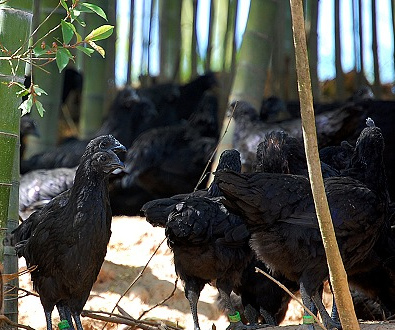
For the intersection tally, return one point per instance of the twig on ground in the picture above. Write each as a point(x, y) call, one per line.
point(137, 278)
point(162, 302)
point(5, 319)
point(282, 286)
point(120, 319)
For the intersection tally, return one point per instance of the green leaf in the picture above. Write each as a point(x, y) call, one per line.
point(40, 108)
point(87, 51)
point(67, 31)
point(79, 38)
point(95, 9)
point(64, 4)
point(102, 32)
point(39, 90)
point(26, 105)
point(62, 58)
point(97, 48)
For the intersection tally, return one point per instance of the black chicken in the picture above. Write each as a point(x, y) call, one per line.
point(28, 126)
point(38, 187)
point(332, 128)
point(25, 229)
point(199, 226)
point(69, 243)
point(176, 102)
point(129, 115)
point(279, 153)
point(257, 292)
point(158, 210)
point(280, 214)
point(338, 156)
point(169, 160)
point(209, 244)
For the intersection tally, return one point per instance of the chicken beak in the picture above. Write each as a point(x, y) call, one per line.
point(119, 148)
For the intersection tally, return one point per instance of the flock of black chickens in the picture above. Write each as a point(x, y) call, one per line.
point(257, 212)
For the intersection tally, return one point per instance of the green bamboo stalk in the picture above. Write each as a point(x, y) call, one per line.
point(393, 26)
point(130, 52)
point(15, 24)
point(207, 62)
point(313, 49)
point(50, 81)
point(194, 50)
point(219, 34)
point(376, 68)
point(170, 38)
point(229, 36)
point(96, 85)
point(255, 53)
point(338, 276)
point(361, 40)
point(234, 46)
point(253, 61)
point(277, 80)
point(185, 70)
point(290, 79)
point(151, 15)
point(109, 61)
point(340, 88)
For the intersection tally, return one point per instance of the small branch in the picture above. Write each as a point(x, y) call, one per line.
point(35, 31)
point(120, 319)
point(138, 277)
point(27, 293)
point(5, 319)
point(114, 318)
point(216, 148)
point(162, 302)
point(9, 134)
point(282, 286)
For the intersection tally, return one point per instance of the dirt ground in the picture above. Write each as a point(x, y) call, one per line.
point(132, 243)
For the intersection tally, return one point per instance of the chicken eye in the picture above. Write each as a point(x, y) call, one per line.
point(103, 145)
point(102, 158)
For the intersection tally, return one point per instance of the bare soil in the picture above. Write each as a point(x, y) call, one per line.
point(132, 244)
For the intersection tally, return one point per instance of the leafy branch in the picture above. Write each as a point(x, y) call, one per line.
point(40, 53)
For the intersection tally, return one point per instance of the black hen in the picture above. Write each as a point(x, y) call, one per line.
point(53, 185)
point(339, 156)
point(69, 243)
point(279, 211)
point(215, 241)
point(279, 153)
point(158, 210)
point(28, 126)
point(332, 128)
point(175, 102)
point(209, 244)
point(37, 188)
point(129, 115)
point(169, 160)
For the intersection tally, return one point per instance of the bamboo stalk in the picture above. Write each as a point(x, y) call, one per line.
point(15, 26)
point(338, 276)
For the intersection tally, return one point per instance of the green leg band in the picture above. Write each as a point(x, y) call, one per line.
point(64, 324)
point(308, 319)
point(234, 318)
